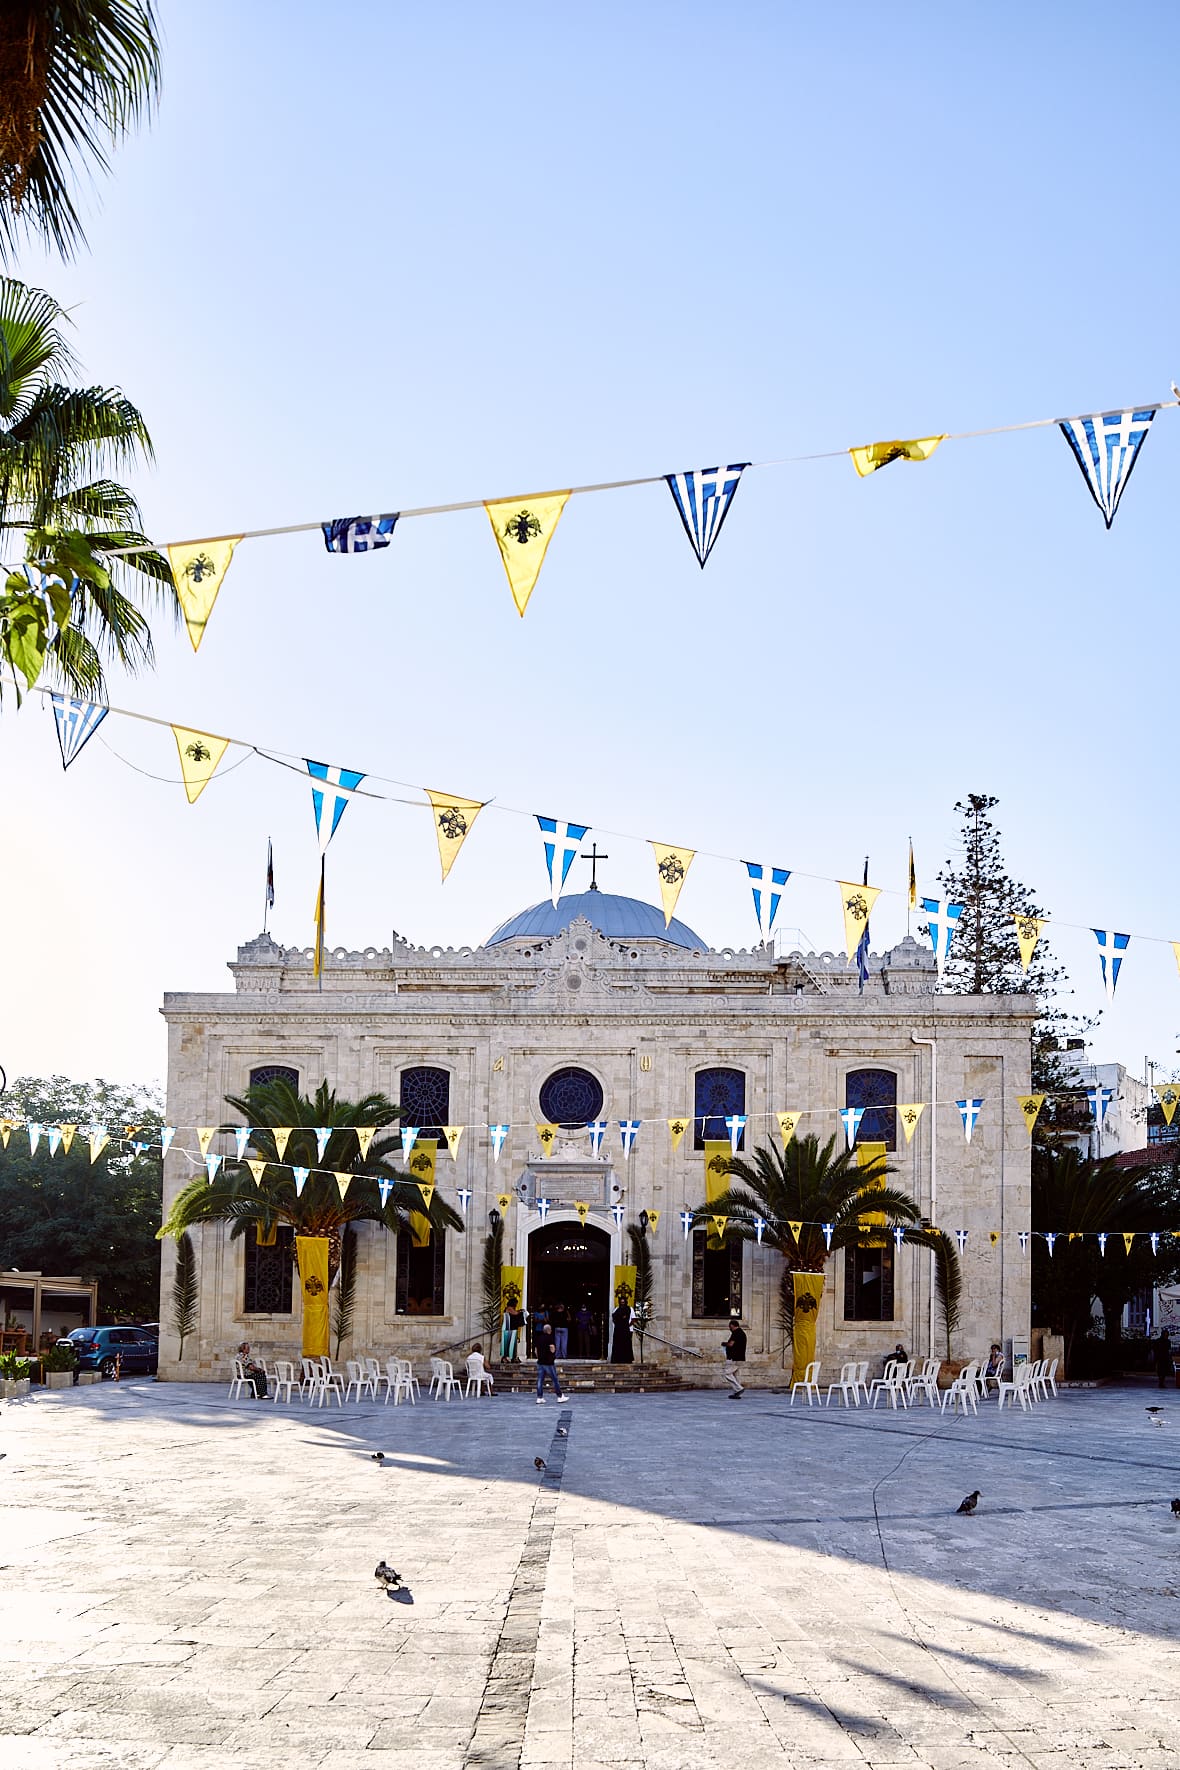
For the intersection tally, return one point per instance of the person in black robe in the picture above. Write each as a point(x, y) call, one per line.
point(620, 1350)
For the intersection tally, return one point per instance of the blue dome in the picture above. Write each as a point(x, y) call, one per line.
point(620, 918)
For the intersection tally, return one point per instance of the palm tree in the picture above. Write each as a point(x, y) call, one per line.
point(74, 75)
point(811, 1185)
point(234, 1197)
point(58, 446)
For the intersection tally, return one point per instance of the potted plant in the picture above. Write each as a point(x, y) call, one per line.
point(59, 1364)
point(14, 1375)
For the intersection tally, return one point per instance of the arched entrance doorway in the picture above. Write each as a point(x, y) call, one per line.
point(569, 1265)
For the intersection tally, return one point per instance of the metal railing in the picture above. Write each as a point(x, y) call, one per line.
point(688, 1351)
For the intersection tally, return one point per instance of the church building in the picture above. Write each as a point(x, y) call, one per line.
point(595, 1011)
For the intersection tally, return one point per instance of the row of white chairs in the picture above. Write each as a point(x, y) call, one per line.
point(903, 1384)
point(316, 1380)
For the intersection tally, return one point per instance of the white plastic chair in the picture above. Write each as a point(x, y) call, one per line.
point(477, 1377)
point(1016, 1388)
point(329, 1385)
point(1036, 1382)
point(375, 1375)
point(358, 1379)
point(436, 1367)
point(963, 1392)
point(924, 1383)
point(862, 1379)
point(891, 1384)
point(847, 1384)
point(396, 1384)
point(241, 1382)
point(809, 1383)
point(309, 1375)
point(447, 1383)
point(415, 1385)
point(1049, 1377)
point(284, 1378)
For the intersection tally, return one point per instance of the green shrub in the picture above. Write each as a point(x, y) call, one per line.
point(59, 1358)
point(13, 1367)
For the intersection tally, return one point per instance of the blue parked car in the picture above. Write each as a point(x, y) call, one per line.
point(137, 1350)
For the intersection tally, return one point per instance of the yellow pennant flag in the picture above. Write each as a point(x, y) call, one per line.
point(311, 1251)
point(1030, 1106)
point(266, 1237)
point(67, 1137)
point(205, 1136)
point(200, 753)
point(281, 1135)
point(453, 1133)
point(1128, 1238)
point(503, 1201)
point(548, 1137)
point(857, 902)
point(7, 1127)
point(453, 819)
point(653, 1220)
point(343, 1181)
point(364, 1137)
point(257, 1169)
point(624, 1291)
point(1167, 1092)
point(198, 568)
point(787, 1125)
point(583, 1210)
point(677, 1128)
point(523, 528)
point(808, 1288)
point(672, 864)
point(1028, 932)
point(993, 1236)
point(717, 1228)
point(796, 1230)
point(870, 456)
point(909, 1114)
point(717, 1178)
point(98, 1140)
point(1176, 953)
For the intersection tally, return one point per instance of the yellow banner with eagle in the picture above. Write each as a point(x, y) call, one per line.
point(311, 1251)
point(808, 1288)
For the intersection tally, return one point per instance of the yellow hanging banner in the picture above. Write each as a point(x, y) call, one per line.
point(548, 1138)
point(364, 1137)
point(453, 819)
point(787, 1125)
point(583, 1210)
point(198, 568)
point(311, 1252)
point(1028, 932)
point(672, 864)
point(1030, 1106)
point(511, 1288)
point(871, 456)
point(420, 1168)
point(1168, 1095)
point(718, 1156)
point(266, 1235)
point(257, 1169)
point(909, 1114)
point(281, 1135)
point(1128, 1238)
point(453, 1133)
point(68, 1133)
point(523, 528)
point(870, 1159)
point(856, 902)
point(677, 1128)
point(200, 753)
point(653, 1220)
point(205, 1136)
point(343, 1182)
point(624, 1288)
point(808, 1288)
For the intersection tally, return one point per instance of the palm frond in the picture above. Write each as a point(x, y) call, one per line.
point(344, 1293)
point(185, 1291)
point(641, 1260)
point(489, 1278)
point(948, 1276)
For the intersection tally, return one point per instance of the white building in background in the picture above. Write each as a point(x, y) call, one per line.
point(1125, 1125)
point(595, 1010)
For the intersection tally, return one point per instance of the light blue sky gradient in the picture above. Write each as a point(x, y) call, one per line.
point(406, 255)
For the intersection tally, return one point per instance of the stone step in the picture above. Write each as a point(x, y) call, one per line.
point(585, 1377)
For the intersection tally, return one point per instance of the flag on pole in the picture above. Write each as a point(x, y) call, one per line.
point(523, 528)
point(561, 847)
point(1112, 950)
point(913, 879)
point(317, 957)
point(330, 797)
point(942, 919)
point(76, 722)
point(766, 883)
point(703, 498)
point(871, 456)
point(969, 1111)
point(270, 875)
point(1106, 447)
point(359, 534)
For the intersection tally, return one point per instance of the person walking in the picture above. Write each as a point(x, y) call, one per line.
point(1162, 1353)
point(546, 1350)
point(735, 1354)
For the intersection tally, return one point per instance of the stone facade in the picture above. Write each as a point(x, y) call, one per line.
point(642, 1017)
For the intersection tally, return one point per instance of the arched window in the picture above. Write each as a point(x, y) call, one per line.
point(425, 1097)
point(720, 1093)
point(421, 1274)
point(716, 1278)
point(268, 1274)
point(876, 1091)
point(273, 1072)
point(571, 1097)
point(868, 1283)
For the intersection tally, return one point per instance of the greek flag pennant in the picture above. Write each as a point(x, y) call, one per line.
point(1099, 1098)
point(1106, 447)
point(77, 722)
point(409, 1138)
point(898, 1236)
point(167, 1133)
point(53, 1136)
point(759, 1229)
point(597, 1131)
point(463, 1194)
point(1102, 1241)
point(616, 1212)
point(300, 1177)
point(359, 534)
point(1112, 950)
point(561, 847)
point(1155, 1241)
point(686, 1223)
point(766, 883)
point(330, 797)
point(323, 1132)
point(542, 1208)
point(942, 919)
point(703, 498)
point(628, 1131)
point(961, 1237)
point(827, 1229)
point(241, 1140)
point(735, 1124)
point(1050, 1238)
point(385, 1187)
point(850, 1117)
point(1022, 1237)
point(969, 1111)
point(98, 1136)
point(212, 1163)
point(35, 1135)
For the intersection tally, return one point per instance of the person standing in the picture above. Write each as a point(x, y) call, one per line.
point(561, 1330)
point(583, 1325)
point(735, 1354)
point(1162, 1352)
point(546, 1348)
point(620, 1348)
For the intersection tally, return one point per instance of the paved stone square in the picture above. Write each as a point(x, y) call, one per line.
point(692, 1584)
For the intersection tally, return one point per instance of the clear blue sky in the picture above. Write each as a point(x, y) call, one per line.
point(406, 255)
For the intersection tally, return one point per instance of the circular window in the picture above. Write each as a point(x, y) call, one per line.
point(570, 1097)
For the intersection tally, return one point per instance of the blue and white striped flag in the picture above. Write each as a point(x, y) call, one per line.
point(409, 1138)
point(323, 1132)
point(1050, 1237)
point(1099, 1098)
point(1106, 446)
point(597, 1131)
point(850, 1117)
point(703, 499)
point(735, 1124)
point(628, 1131)
point(384, 1186)
point(77, 721)
point(242, 1140)
point(330, 798)
point(358, 534)
point(767, 885)
point(463, 1194)
point(961, 1237)
point(969, 1111)
point(499, 1136)
point(35, 1134)
point(212, 1163)
point(616, 1212)
point(942, 919)
point(686, 1223)
point(561, 847)
point(542, 1208)
point(300, 1175)
point(1112, 950)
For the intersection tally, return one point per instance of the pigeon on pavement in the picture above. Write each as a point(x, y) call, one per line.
point(563, 1431)
point(969, 1504)
point(378, 1456)
point(386, 1576)
point(1176, 1508)
point(538, 1462)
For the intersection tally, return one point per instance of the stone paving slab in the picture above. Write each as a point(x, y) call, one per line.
point(187, 1583)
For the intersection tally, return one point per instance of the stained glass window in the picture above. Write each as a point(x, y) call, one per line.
point(425, 1096)
point(868, 1284)
point(273, 1072)
point(421, 1274)
point(571, 1097)
point(876, 1091)
point(719, 1093)
point(716, 1279)
point(268, 1275)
